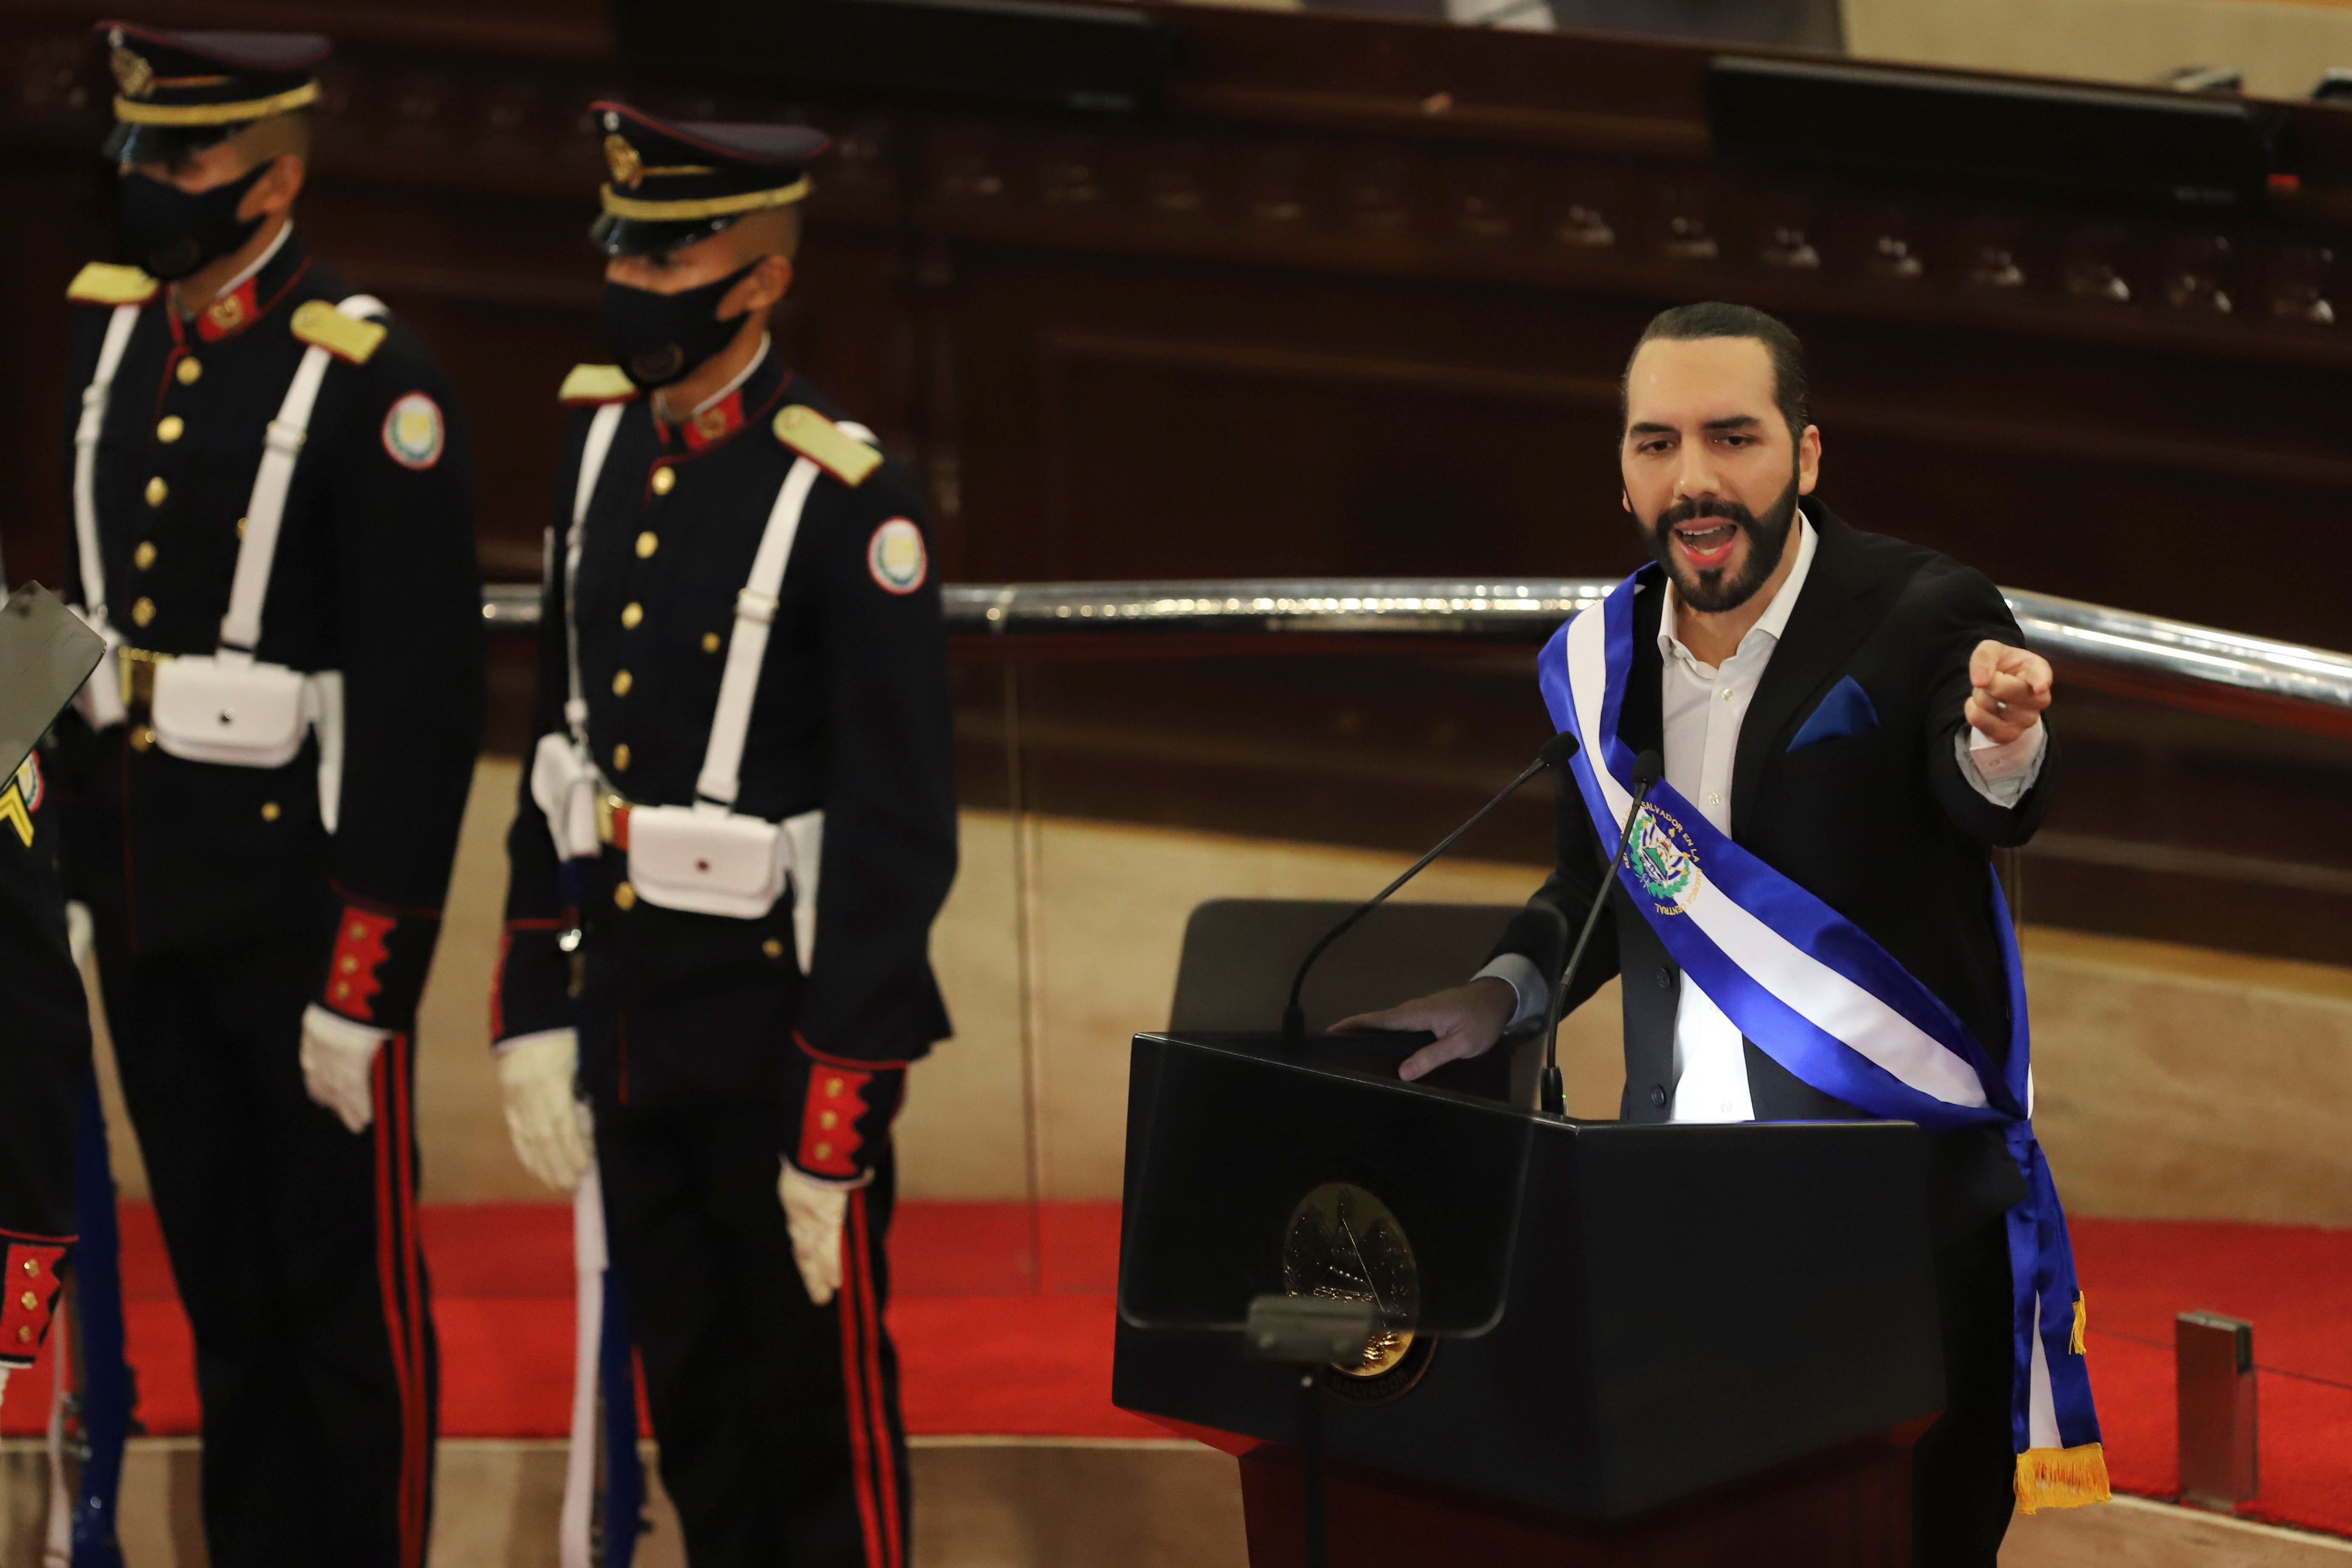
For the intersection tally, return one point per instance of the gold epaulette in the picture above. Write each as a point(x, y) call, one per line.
point(345, 337)
point(825, 444)
point(103, 283)
point(591, 383)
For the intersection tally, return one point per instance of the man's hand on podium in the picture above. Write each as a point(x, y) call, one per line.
point(1467, 1020)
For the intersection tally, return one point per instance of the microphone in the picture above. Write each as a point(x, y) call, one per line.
point(1555, 752)
point(1647, 768)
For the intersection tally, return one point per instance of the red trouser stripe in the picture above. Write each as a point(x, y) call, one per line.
point(861, 1467)
point(885, 1450)
point(400, 1276)
point(415, 1448)
point(387, 1272)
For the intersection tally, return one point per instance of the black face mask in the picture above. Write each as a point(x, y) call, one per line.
point(169, 233)
point(657, 338)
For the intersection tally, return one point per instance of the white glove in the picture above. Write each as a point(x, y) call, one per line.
point(338, 1057)
point(813, 1210)
point(550, 1129)
point(78, 930)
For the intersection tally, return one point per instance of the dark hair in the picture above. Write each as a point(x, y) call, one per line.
point(1715, 318)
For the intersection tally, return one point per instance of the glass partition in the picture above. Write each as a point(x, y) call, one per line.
point(1130, 751)
point(2191, 889)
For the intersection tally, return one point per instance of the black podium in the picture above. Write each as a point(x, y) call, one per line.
point(1614, 1343)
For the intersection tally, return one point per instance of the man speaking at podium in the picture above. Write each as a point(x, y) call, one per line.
point(1848, 722)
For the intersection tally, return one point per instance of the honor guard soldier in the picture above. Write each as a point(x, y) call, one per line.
point(272, 506)
point(743, 682)
point(44, 1062)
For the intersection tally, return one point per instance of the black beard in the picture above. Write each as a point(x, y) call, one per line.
point(1710, 592)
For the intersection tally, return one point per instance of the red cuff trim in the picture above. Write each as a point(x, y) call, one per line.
point(29, 1277)
point(849, 1062)
point(829, 1135)
point(359, 952)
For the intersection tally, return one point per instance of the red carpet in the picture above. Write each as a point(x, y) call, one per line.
point(989, 1348)
point(2294, 1285)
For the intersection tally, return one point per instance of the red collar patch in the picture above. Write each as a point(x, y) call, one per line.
point(232, 312)
point(714, 424)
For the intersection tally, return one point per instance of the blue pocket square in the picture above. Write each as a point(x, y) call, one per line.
point(1846, 710)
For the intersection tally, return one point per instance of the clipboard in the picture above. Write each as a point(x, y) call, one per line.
point(46, 654)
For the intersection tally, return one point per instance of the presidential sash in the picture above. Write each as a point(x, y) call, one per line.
point(1820, 996)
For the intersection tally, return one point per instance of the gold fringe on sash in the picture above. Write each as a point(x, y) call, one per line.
point(2060, 1477)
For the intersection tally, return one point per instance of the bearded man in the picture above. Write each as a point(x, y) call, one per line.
point(1850, 723)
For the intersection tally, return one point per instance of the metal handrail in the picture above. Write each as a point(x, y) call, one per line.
point(2189, 666)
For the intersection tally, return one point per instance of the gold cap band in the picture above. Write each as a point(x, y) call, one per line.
point(713, 207)
point(130, 111)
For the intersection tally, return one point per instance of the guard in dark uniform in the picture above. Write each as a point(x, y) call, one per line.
point(742, 815)
point(272, 499)
point(44, 1064)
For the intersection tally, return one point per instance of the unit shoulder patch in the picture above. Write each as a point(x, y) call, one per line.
point(896, 557)
point(347, 338)
point(21, 797)
point(103, 283)
point(825, 444)
point(413, 432)
point(596, 384)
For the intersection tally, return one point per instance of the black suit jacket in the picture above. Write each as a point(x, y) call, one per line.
point(1881, 825)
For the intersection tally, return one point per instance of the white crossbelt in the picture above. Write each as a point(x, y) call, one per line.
point(704, 859)
point(747, 646)
point(226, 707)
point(102, 693)
point(266, 510)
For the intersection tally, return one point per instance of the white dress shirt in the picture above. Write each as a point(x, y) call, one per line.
point(1702, 708)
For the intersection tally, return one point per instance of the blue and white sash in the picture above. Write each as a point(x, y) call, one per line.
point(1820, 997)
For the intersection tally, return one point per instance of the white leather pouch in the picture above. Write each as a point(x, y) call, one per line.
point(213, 707)
point(708, 862)
point(564, 787)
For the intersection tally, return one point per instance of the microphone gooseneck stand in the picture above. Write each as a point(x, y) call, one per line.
point(1647, 767)
point(1556, 751)
point(1308, 1333)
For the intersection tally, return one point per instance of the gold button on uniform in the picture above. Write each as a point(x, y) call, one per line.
point(630, 615)
point(665, 480)
point(647, 544)
point(156, 491)
point(833, 1087)
point(25, 1335)
point(825, 1151)
point(189, 368)
point(33, 1268)
point(828, 1121)
point(169, 427)
point(30, 1303)
point(621, 758)
point(142, 738)
point(710, 642)
point(625, 897)
point(142, 612)
point(144, 556)
point(269, 811)
point(772, 947)
point(622, 681)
